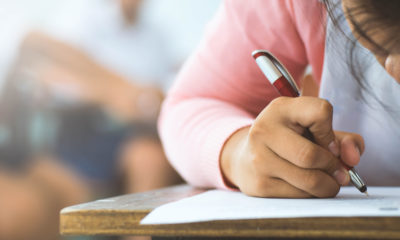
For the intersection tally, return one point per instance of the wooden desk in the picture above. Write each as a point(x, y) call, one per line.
point(121, 216)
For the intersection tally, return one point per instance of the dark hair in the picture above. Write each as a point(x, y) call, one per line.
point(380, 15)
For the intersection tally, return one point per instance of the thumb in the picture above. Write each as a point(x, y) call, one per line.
point(351, 147)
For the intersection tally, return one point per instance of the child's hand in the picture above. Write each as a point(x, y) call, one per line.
point(276, 158)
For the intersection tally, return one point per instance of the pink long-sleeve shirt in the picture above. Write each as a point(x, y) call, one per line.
point(220, 88)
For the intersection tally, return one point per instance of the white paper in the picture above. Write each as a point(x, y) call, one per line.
point(225, 205)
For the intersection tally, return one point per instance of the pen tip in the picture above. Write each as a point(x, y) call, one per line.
point(366, 193)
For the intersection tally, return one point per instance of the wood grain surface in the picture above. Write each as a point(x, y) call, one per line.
point(121, 216)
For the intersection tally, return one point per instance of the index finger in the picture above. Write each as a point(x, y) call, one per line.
point(314, 114)
point(303, 152)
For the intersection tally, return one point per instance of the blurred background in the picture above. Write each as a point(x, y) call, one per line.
point(81, 83)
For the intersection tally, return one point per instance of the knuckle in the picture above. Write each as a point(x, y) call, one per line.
point(312, 181)
point(260, 184)
point(326, 106)
point(257, 164)
point(359, 140)
point(332, 191)
point(324, 136)
point(307, 156)
point(278, 102)
point(267, 189)
point(255, 132)
point(258, 132)
point(260, 187)
point(321, 111)
point(316, 183)
point(325, 109)
point(332, 165)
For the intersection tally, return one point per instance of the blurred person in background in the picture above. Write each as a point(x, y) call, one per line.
point(78, 117)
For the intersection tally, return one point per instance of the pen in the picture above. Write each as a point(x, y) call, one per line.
point(283, 82)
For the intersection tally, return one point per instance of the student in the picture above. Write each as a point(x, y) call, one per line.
point(223, 125)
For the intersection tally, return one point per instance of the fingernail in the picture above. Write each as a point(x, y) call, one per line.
point(358, 151)
point(334, 148)
point(341, 176)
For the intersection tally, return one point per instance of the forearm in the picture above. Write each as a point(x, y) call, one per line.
point(131, 102)
point(71, 73)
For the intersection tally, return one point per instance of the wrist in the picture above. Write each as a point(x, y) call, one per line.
point(231, 154)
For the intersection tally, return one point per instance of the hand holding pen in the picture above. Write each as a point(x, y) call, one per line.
point(274, 158)
point(280, 78)
point(290, 150)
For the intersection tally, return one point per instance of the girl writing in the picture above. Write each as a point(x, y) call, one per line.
point(223, 125)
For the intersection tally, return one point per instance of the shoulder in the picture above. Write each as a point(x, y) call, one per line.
point(298, 26)
point(297, 9)
point(296, 18)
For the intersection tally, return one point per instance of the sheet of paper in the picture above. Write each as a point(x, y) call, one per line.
point(225, 205)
